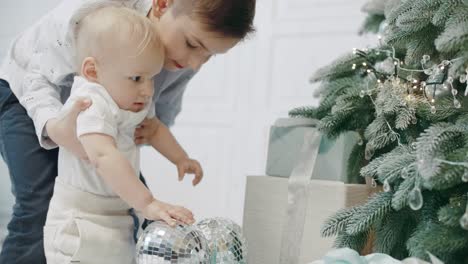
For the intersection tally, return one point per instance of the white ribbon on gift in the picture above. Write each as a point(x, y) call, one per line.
point(298, 197)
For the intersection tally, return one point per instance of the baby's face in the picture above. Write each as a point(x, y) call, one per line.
point(129, 78)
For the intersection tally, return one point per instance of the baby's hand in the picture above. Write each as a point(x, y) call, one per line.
point(192, 167)
point(169, 213)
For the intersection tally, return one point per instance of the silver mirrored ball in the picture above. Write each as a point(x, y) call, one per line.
point(161, 244)
point(225, 240)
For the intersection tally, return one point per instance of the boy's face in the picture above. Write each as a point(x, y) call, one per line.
point(186, 42)
point(129, 78)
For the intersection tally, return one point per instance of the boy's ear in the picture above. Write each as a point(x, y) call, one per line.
point(89, 69)
point(160, 7)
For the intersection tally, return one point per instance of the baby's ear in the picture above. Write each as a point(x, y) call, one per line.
point(89, 69)
point(160, 7)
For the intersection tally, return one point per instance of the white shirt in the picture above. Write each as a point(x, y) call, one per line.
point(104, 117)
point(41, 58)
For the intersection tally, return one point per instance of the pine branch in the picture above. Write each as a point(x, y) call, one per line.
point(395, 161)
point(451, 213)
point(399, 11)
point(368, 214)
point(458, 67)
point(432, 201)
point(431, 143)
point(459, 16)
point(390, 99)
point(404, 117)
point(396, 37)
point(448, 244)
point(421, 44)
point(445, 111)
point(355, 163)
point(342, 67)
point(337, 222)
point(389, 165)
point(356, 242)
point(350, 113)
point(390, 6)
point(371, 24)
point(337, 69)
point(400, 198)
point(448, 177)
point(371, 169)
point(304, 111)
point(374, 7)
point(453, 39)
point(418, 17)
point(392, 233)
point(378, 134)
point(445, 10)
point(330, 91)
point(331, 124)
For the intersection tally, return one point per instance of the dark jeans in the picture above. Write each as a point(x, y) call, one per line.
point(32, 174)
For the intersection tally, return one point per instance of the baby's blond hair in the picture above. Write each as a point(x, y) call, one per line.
point(114, 26)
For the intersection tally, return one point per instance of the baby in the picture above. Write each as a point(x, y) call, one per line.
point(88, 220)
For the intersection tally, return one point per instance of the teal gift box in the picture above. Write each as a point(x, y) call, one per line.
point(285, 143)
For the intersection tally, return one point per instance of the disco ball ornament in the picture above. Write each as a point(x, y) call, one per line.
point(161, 244)
point(225, 240)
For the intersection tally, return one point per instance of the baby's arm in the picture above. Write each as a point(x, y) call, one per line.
point(161, 138)
point(118, 173)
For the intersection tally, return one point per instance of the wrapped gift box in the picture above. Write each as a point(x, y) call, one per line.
point(265, 211)
point(286, 140)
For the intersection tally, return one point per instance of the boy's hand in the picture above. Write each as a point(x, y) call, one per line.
point(62, 130)
point(146, 130)
point(169, 213)
point(190, 166)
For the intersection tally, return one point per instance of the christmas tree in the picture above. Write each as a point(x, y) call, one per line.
point(406, 99)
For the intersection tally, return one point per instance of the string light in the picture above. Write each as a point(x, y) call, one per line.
point(436, 78)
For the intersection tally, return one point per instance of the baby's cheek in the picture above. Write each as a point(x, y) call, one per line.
point(94, 163)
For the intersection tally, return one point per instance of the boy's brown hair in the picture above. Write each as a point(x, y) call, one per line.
point(232, 18)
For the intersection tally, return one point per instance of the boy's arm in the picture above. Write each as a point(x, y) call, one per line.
point(116, 170)
point(41, 99)
point(164, 142)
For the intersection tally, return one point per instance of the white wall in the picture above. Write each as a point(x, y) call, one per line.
point(230, 105)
